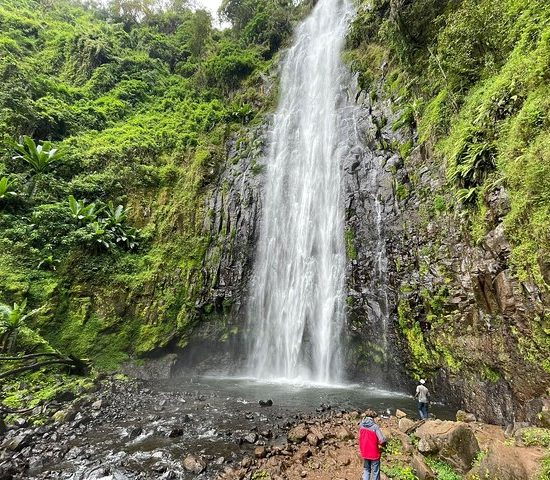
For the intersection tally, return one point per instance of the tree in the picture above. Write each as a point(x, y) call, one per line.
point(11, 321)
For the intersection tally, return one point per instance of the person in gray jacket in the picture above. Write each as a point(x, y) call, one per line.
point(423, 395)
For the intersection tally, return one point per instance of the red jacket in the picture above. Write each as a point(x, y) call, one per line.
point(370, 439)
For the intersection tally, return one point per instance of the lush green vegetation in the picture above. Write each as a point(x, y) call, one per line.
point(113, 125)
point(473, 77)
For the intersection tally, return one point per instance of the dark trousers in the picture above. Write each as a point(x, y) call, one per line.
point(423, 410)
point(371, 467)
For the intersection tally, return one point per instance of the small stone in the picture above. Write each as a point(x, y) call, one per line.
point(135, 432)
point(175, 432)
point(20, 422)
point(462, 416)
point(266, 403)
point(400, 414)
point(260, 452)
point(303, 453)
point(312, 439)
point(97, 405)
point(246, 462)
point(251, 437)
point(303, 474)
point(194, 464)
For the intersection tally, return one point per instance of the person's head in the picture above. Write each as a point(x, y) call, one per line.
point(422, 381)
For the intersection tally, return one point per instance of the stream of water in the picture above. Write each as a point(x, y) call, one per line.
point(296, 310)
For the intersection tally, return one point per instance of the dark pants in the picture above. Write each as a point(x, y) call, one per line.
point(371, 467)
point(423, 410)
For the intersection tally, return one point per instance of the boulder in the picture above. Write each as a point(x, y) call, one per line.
point(421, 469)
point(455, 442)
point(406, 425)
point(342, 433)
point(194, 464)
point(312, 439)
point(400, 414)
point(499, 464)
point(297, 434)
point(462, 416)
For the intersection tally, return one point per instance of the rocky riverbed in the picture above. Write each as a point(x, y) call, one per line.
point(135, 429)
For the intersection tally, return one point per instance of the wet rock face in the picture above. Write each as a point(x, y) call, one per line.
point(424, 299)
point(231, 221)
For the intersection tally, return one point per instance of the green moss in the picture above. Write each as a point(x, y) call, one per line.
point(401, 191)
point(405, 149)
point(535, 348)
point(490, 374)
point(351, 250)
point(420, 355)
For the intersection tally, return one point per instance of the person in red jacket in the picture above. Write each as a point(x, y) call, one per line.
point(371, 441)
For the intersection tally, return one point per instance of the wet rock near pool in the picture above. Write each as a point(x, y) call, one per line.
point(297, 434)
point(194, 464)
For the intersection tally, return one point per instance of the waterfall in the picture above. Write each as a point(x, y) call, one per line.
point(296, 308)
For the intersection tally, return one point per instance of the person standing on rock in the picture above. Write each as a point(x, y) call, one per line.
point(371, 441)
point(423, 395)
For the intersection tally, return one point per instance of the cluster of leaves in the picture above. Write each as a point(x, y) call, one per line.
point(12, 319)
point(104, 225)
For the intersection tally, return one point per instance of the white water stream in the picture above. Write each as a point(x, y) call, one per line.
point(296, 308)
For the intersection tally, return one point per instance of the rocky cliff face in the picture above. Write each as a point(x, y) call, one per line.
point(232, 223)
point(423, 298)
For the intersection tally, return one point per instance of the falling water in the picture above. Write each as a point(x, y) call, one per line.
point(296, 307)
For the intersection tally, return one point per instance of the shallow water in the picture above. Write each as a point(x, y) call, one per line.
point(130, 436)
point(305, 398)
